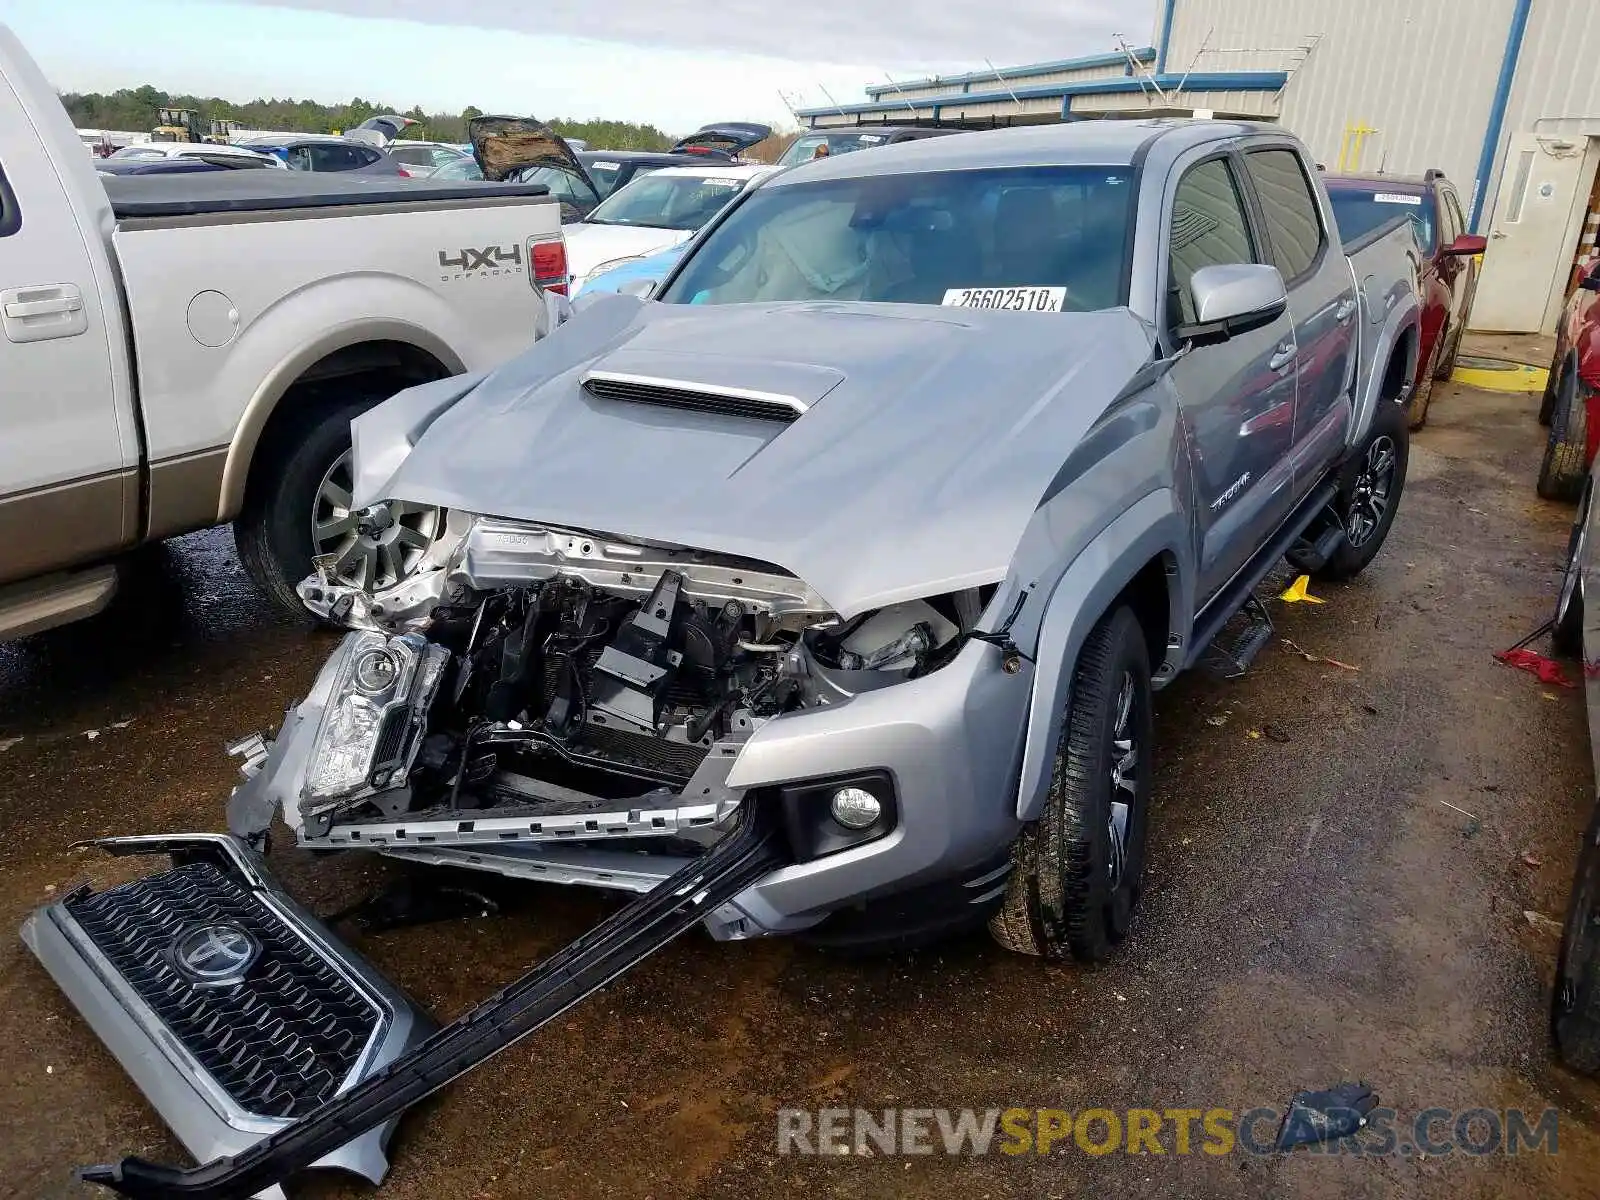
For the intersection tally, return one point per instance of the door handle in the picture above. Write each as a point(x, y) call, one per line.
point(43, 312)
point(1282, 357)
point(1346, 310)
point(23, 309)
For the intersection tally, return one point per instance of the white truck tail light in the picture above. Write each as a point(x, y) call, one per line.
point(547, 263)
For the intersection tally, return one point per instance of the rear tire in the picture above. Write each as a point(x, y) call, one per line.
point(1562, 471)
point(1566, 636)
point(1077, 871)
point(1547, 402)
point(1417, 410)
point(1445, 364)
point(1575, 1003)
point(1369, 494)
point(273, 529)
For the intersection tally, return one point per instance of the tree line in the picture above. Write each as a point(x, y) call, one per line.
point(136, 110)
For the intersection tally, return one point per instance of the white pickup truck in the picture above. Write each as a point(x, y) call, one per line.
point(180, 351)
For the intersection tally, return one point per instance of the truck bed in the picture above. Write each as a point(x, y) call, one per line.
point(189, 195)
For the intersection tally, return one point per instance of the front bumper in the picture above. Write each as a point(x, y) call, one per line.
point(225, 1063)
point(951, 741)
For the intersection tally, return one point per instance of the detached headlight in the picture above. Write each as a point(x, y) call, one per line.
point(376, 711)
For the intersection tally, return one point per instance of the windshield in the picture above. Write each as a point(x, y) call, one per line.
point(1358, 211)
point(1051, 238)
point(461, 168)
point(662, 201)
point(128, 152)
point(805, 148)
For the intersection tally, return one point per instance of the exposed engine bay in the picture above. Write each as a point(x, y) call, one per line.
point(538, 672)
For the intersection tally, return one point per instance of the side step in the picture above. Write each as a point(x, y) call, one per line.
point(235, 1012)
point(40, 604)
point(744, 856)
point(1235, 647)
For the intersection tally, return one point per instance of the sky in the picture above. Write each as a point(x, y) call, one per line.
point(674, 63)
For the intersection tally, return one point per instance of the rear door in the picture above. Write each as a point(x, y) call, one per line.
point(1237, 398)
point(1322, 301)
point(68, 483)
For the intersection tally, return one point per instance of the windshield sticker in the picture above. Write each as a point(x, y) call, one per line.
point(871, 137)
point(605, 166)
point(1011, 299)
point(1396, 198)
point(721, 181)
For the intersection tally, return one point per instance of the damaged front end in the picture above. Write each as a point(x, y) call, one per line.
point(544, 686)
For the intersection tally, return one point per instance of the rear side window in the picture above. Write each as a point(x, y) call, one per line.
point(1208, 230)
point(1293, 226)
point(10, 213)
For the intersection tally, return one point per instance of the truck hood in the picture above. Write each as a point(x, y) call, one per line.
point(928, 438)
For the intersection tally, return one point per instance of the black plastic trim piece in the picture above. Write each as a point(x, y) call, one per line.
point(749, 852)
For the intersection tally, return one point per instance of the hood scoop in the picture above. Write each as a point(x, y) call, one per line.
point(696, 397)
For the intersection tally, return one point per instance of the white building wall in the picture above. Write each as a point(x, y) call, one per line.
point(1419, 72)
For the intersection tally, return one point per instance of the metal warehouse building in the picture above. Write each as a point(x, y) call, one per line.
point(1502, 95)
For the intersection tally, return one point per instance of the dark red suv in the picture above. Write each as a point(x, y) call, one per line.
point(1361, 203)
point(1572, 397)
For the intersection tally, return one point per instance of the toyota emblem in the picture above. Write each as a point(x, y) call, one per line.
point(215, 955)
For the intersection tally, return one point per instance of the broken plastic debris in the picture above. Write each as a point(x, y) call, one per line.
point(1326, 1116)
point(1296, 592)
point(1546, 670)
point(7, 743)
point(1530, 859)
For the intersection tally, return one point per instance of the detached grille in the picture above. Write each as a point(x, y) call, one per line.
point(281, 1041)
point(760, 406)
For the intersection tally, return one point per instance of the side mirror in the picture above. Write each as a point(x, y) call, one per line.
point(1591, 277)
point(1233, 299)
point(1468, 245)
point(642, 288)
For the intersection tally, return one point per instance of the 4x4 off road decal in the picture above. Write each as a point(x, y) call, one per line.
point(491, 260)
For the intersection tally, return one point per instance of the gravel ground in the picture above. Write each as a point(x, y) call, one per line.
point(1321, 907)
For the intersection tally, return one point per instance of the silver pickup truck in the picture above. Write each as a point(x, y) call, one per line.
point(824, 591)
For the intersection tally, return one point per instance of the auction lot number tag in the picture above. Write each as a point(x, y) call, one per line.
point(1011, 299)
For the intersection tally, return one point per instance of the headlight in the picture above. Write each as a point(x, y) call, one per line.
point(610, 263)
point(376, 710)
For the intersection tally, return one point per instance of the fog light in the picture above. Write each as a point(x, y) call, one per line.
point(855, 808)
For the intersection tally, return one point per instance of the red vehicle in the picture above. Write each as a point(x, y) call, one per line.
point(1361, 203)
point(1572, 397)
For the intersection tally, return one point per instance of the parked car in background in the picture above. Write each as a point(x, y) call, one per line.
point(663, 209)
point(206, 151)
point(1570, 405)
point(180, 351)
point(1449, 277)
point(842, 141)
point(326, 153)
point(422, 158)
point(187, 165)
point(459, 170)
point(630, 274)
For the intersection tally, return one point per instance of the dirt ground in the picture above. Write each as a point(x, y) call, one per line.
point(1341, 861)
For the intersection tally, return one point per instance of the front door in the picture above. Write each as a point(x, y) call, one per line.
point(65, 477)
point(1237, 398)
point(1537, 209)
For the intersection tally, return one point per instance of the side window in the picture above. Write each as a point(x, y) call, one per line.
point(1294, 228)
point(1449, 230)
point(10, 213)
point(299, 158)
point(1208, 229)
point(1453, 207)
point(362, 157)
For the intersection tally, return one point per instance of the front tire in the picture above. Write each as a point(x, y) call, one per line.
point(1562, 471)
point(1077, 871)
point(1369, 494)
point(1566, 635)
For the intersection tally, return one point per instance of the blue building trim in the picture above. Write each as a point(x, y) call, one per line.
point(1169, 8)
point(1199, 81)
point(1497, 110)
point(1144, 54)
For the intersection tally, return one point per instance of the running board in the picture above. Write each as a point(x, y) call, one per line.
point(747, 854)
point(1241, 588)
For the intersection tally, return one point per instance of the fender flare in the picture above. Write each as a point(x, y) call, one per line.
point(1153, 527)
point(264, 402)
point(1401, 318)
